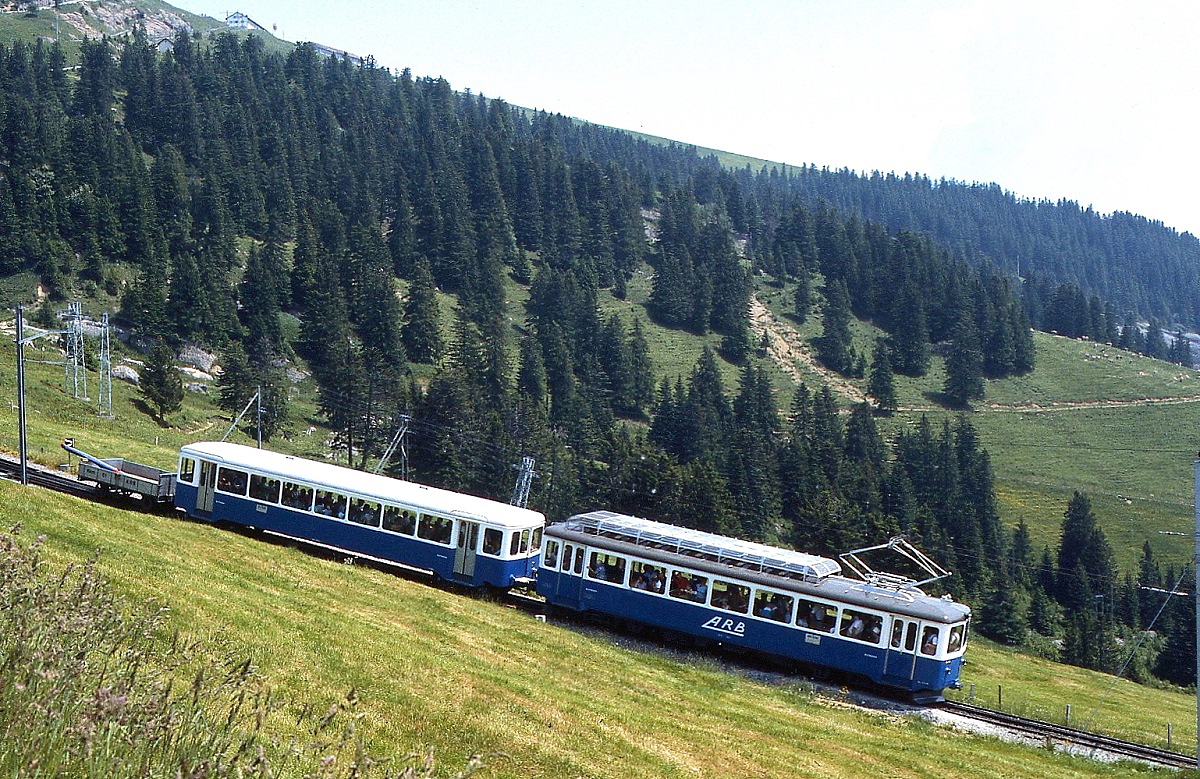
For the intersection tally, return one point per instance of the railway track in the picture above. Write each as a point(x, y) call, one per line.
point(1077, 741)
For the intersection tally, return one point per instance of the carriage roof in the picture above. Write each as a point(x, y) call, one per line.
point(369, 485)
point(646, 532)
point(798, 572)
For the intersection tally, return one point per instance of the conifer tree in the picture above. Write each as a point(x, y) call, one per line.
point(964, 365)
point(641, 369)
point(159, 383)
point(802, 296)
point(833, 345)
point(422, 314)
point(880, 381)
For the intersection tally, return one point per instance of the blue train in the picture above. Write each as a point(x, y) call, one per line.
point(763, 599)
point(460, 538)
point(766, 600)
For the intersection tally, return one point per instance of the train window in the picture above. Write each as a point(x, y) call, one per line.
point(330, 504)
point(862, 626)
point(816, 616)
point(231, 481)
point(399, 520)
point(297, 497)
point(897, 633)
point(957, 638)
point(645, 576)
point(607, 568)
point(526, 535)
point(364, 512)
point(264, 488)
point(773, 605)
point(730, 596)
point(436, 529)
point(689, 586)
point(187, 470)
point(493, 540)
point(929, 641)
point(578, 560)
point(910, 640)
point(549, 558)
point(537, 538)
point(514, 546)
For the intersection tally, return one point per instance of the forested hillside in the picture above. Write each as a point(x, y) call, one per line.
point(1140, 265)
point(298, 212)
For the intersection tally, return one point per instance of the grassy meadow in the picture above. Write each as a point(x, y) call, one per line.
point(1090, 417)
point(467, 676)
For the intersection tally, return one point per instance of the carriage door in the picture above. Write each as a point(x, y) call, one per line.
point(900, 659)
point(464, 556)
point(204, 495)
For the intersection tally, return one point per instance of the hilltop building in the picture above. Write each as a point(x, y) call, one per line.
point(239, 21)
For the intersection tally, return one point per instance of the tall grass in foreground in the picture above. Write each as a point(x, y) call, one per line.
point(92, 686)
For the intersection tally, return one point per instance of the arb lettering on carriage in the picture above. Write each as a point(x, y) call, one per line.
point(727, 626)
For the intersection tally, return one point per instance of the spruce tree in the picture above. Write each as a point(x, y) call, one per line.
point(833, 345)
point(422, 315)
point(964, 365)
point(641, 369)
point(159, 383)
point(881, 382)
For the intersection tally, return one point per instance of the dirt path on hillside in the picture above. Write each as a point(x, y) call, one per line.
point(789, 352)
point(1082, 405)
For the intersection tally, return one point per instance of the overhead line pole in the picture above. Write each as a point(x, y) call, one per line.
point(21, 430)
point(1196, 589)
point(21, 393)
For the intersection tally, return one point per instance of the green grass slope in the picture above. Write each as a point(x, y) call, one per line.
point(1090, 417)
point(469, 676)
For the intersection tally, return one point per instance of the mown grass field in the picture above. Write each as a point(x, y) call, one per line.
point(469, 676)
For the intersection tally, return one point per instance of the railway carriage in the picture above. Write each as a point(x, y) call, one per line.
point(460, 538)
point(759, 598)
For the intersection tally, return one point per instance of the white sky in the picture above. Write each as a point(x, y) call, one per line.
point(1091, 101)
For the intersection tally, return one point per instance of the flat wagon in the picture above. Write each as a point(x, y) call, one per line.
point(125, 477)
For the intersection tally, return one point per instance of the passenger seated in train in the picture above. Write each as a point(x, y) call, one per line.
point(687, 587)
point(364, 513)
point(777, 607)
point(929, 641)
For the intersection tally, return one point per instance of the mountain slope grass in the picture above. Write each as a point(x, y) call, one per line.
point(467, 676)
point(1090, 417)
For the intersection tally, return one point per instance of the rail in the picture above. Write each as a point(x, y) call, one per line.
point(1077, 741)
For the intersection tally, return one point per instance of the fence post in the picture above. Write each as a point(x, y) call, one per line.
point(1000, 697)
point(1068, 722)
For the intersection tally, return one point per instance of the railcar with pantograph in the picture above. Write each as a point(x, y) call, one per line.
point(775, 602)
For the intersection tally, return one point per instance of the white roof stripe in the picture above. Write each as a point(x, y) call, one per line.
point(381, 488)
